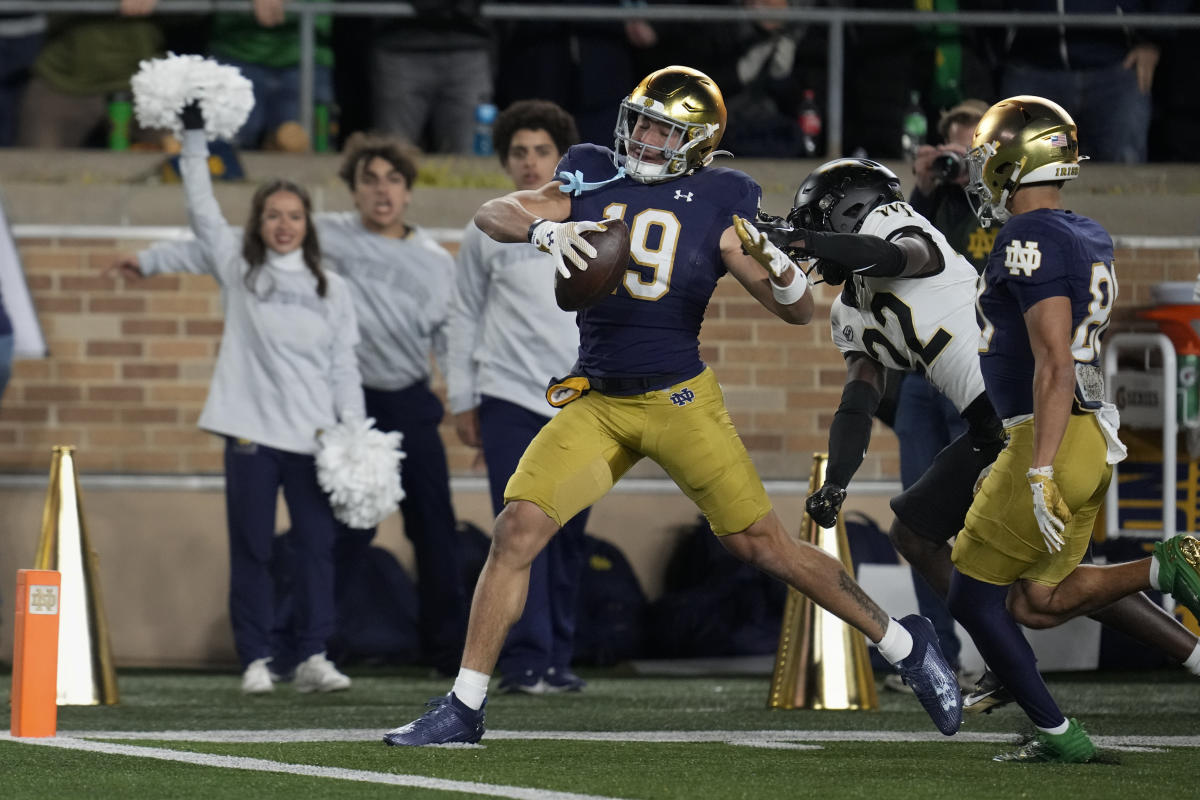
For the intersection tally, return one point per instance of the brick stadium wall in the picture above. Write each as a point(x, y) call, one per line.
point(129, 367)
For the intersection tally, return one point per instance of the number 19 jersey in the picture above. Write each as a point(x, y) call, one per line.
point(650, 326)
point(924, 323)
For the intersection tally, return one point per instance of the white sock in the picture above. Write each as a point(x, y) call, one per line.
point(1058, 729)
point(896, 643)
point(470, 687)
point(1154, 573)
point(1192, 664)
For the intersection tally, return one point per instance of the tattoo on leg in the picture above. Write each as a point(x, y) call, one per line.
point(851, 587)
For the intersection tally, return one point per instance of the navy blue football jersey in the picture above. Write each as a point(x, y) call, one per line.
point(1040, 254)
point(650, 326)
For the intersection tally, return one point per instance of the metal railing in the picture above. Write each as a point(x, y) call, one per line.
point(834, 19)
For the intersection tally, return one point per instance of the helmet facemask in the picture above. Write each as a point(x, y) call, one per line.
point(990, 205)
point(690, 107)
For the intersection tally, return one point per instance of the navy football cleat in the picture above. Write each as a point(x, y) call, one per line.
point(926, 672)
point(448, 721)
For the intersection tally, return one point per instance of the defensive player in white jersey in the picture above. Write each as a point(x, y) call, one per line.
point(850, 215)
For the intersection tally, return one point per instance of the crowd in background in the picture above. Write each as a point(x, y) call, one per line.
point(64, 77)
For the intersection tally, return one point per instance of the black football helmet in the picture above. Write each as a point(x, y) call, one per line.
point(838, 195)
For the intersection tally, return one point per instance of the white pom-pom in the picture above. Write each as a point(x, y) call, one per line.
point(359, 468)
point(163, 86)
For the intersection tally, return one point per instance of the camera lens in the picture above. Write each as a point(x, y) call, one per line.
point(947, 167)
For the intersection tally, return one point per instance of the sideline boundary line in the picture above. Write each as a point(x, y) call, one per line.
point(337, 773)
point(1130, 742)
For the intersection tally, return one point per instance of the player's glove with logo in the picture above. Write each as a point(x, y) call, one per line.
point(564, 241)
point(760, 248)
point(1048, 507)
point(823, 505)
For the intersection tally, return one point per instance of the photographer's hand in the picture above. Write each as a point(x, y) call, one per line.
point(926, 180)
point(961, 152)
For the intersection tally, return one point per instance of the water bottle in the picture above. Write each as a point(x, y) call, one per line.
point(485, 115)
point(325, 127)
point(120, 120)
point(809, 121)
point(913, 128)
point(1187, 400)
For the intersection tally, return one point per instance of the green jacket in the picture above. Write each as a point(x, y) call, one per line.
point(89, 54)
point(239, 37)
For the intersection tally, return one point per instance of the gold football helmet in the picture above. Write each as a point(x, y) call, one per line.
point(1019, 141)
point(690, 104)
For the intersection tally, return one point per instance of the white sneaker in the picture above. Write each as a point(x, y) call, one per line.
point(257, 678)
point(318, 674)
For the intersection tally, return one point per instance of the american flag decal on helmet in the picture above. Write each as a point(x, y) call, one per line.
point(1057, 140)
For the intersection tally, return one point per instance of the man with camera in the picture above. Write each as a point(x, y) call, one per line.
point(941, 174)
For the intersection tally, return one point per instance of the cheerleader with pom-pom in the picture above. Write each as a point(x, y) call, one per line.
point(286, 372)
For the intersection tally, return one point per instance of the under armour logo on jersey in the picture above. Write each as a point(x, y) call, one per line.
point(1022, 257)
point(679, 195)
point(683, 396)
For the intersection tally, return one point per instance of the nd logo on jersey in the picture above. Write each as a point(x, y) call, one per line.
point(1022, 257)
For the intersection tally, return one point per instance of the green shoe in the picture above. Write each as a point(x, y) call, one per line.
point(1179, 570)
point(1070, 747)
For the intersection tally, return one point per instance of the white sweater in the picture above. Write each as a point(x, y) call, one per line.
point(508, 337)
point(402, 290)
point(286, 367)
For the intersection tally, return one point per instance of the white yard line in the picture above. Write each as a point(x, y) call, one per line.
point(263, 765)
point(758, 738)
point(776, 739)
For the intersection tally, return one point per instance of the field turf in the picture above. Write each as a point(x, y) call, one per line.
point(182, 734)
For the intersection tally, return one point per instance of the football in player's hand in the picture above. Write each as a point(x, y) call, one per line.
point(587, 287)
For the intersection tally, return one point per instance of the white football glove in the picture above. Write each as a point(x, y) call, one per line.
point(564, 240)
point(1049, 508)
point(760, 248)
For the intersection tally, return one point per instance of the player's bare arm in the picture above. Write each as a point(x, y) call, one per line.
point(1049, 326)
point(507, 218)
point(758, 280)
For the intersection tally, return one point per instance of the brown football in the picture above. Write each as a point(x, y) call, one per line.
point(587, 287)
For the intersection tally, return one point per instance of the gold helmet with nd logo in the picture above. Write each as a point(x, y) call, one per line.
point(691, 107)
point(1019, 141)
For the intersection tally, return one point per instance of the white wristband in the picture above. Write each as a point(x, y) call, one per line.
point(786, 295)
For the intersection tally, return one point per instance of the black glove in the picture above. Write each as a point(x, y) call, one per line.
point(192, 117)
point(824, 505)
point(832, 272)
point(777, 229)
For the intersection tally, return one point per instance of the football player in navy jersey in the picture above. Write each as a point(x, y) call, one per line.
point(639, 388)
point(1045, 299)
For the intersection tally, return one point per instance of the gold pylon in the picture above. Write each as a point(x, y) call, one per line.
point(85, 667)
point(821, 662)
